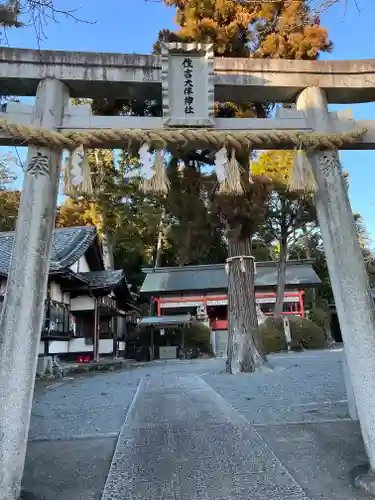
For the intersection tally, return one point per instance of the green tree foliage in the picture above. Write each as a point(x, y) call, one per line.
point(312, 248)
point(137, 223)
point(195, 229)
point(119, 209)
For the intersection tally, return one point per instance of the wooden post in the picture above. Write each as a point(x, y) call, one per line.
point(23, 311)
point(354, 303)
point(96, 339)
point(152, 333)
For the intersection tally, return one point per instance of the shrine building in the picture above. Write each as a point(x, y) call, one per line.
point(191, 289)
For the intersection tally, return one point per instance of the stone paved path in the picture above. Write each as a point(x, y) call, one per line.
point(181, 440)
point(192, 432)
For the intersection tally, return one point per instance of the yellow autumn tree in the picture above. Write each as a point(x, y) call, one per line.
point(289, 216)
point(281, 29)
point(78, 212)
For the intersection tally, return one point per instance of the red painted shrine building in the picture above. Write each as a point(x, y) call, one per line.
point(181, 290)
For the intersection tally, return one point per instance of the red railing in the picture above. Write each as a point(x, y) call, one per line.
point(219, 324)
point(297, 306)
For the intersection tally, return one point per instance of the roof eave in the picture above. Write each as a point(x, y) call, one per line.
point(199, 267)
point(106, 288)
point(67, 274)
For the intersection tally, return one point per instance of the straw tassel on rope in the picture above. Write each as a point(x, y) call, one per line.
point(228, 173)
point(77, 173)
point(68, 188)
point(302, 177)
point(155, 179)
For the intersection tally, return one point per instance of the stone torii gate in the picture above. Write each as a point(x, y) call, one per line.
point(52, 125)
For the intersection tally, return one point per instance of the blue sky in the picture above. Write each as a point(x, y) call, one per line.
point(132, 26)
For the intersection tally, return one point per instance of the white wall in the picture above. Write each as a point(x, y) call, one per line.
point(59, 347)
point(57, 294)
point(55, 347)
point(79, 345)
point(105, 346)
point(82, 303)
point(81, 266)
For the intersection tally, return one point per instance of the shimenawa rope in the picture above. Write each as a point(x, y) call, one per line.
point(179, 139)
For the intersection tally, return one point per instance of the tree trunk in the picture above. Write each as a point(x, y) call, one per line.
point(245, 350)
point(159, 242)
point(307, 244)
point(281, 270)
point(107, 248)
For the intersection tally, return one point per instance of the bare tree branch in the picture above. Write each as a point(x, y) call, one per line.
point(38, 13)
point(295, 239)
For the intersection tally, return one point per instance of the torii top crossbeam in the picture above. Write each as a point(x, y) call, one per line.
point(90, 74)
point(186, 79)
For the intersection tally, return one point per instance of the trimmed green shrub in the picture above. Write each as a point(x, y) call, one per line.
point(320, 317)
point(272, 335)
point(198, 335)
point(305, 335)
point(308, 334)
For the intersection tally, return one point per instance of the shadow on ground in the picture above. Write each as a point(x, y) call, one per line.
point(68, 470)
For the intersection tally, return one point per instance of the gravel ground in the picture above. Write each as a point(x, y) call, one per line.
point(301, 387)
point(193, 431)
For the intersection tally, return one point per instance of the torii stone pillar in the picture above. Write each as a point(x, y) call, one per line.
point(23, 309)
point(347, 271)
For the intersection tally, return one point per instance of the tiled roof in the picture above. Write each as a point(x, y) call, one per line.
point(69, 245)
point(103, 279)
point(181, 319)
point(214, 277)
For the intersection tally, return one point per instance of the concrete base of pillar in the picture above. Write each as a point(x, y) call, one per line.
point(349, 392)
point(44, 366)
point(363, 479)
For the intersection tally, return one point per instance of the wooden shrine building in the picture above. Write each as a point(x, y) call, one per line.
point(89, 309)
point(192, 289)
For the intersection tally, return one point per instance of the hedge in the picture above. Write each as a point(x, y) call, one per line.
point(305, 335)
